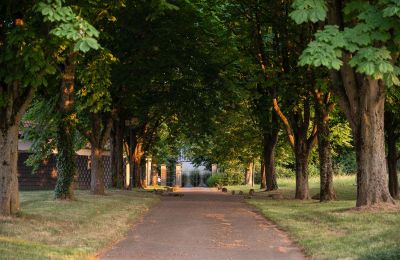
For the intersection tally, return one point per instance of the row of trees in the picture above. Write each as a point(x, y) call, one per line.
point(300, 58)
point(218, 79)
point(89, 70)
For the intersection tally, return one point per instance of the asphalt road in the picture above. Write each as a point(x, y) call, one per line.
point(204, 224)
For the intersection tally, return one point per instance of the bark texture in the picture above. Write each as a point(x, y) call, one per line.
point(9, 195)
point(117, 160)
point(97, 171)
point(323, 107)
point(270, 141)
point(301, 157)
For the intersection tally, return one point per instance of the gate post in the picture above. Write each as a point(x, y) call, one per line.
point(178, 175)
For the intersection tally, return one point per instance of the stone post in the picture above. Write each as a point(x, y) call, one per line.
point(178, 175)
point(163, 175)
point(148, 171)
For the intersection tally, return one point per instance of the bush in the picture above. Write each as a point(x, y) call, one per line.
point(214, 180)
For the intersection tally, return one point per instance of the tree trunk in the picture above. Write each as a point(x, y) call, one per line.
point(392, 165)
point(270, 141)
point(249, 173)
point(9, 195)
point(327, 192)
point(392, 157)
point(65, 161)
point(302, 190)
point(97, 171)
point(369, 140)
point(117, 160)
point(263, 184)
point(65, 134)
point(137, 179)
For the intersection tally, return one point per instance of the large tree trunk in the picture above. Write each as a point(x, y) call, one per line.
point(65, 134)
point(9, 196)
point(302, 190)
point(97, 171)
point(270, 141)
point(322, 108)
point(117, 160)
point(11, 113)
point(368, 132)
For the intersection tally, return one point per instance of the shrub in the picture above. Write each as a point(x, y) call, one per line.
point(214, 180)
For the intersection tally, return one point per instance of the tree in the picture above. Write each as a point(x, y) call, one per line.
point(94, 111)
point(25, 57)
point(74, 35)
point(358, 45)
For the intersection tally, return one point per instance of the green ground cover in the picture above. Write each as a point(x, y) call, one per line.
point(50, 229)
point(333, 230)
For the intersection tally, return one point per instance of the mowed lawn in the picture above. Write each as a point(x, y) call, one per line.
point(334, 230)
point(50, 229)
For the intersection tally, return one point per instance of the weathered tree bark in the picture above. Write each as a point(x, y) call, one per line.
point(392, 155)
point(9, 195)
point(117, 160)
point(270, 141)
point(10, 118)
point(301, 157)
point(368, 132)
point(97, 186)
point(66, 168)
point(362, 99)
point(323, 107)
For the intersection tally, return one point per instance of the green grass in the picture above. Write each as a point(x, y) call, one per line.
point(50, 229)
point(333, 230)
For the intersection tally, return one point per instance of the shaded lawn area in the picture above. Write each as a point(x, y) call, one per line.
point(334, 230)
point(50, 229)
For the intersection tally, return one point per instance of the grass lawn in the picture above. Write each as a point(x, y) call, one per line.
point(333, 230)
point(50, 229)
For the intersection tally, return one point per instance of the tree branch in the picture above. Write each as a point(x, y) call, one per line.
point(285, 121)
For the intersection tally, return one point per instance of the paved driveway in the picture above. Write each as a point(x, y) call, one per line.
point(204, 224)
